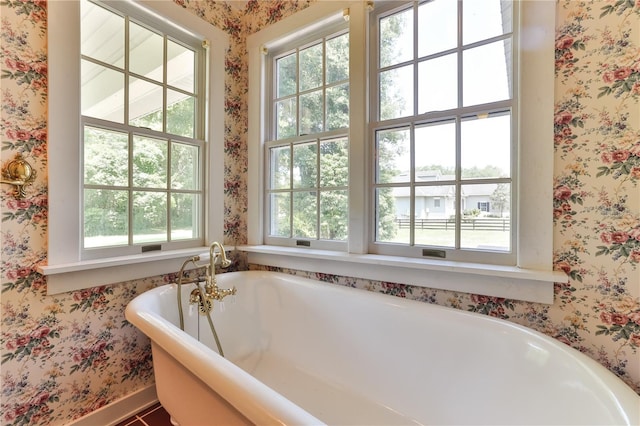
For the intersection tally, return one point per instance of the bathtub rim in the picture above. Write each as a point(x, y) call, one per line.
point(232, 380)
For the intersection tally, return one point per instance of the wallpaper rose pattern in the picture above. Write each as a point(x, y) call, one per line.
point(67, 355)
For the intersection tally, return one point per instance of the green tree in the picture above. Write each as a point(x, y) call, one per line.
point(470, 172)
point(334, 173)
point(106, 164)
point(180, 117)
point(500, 198)
point(319, 203)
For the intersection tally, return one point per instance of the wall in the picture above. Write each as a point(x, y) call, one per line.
point(64, 356)
point(67, 355)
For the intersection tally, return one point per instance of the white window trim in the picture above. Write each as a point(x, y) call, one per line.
point(65, 271)
point(276, 52)
point(531, 279)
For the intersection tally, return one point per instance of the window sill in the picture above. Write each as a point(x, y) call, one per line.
point(491, 280)
point(91, 273)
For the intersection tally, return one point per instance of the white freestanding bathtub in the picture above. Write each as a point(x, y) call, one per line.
point(301, 352)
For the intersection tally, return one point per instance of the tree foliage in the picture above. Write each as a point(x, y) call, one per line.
point(108, 174)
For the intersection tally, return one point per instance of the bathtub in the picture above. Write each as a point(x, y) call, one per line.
point(302, 352)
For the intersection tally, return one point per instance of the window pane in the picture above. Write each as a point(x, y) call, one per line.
point(396, 93)
point(311, 96)
point(149, 217)
point(280, 215)
point(280, 167)
point(149, 162)
point(338, 107)
point(435, 151)
point(305, 214)
point(145, 104)
point(485, 221)
point(333, 215)
point(305, 165)
point(487, 75)
point(106, 221)
point(438, 84)
point(437, 26)
point(396, 38)
point(311, 67)
point(180, 66)
point(128, 175)
point(102, 34)
point(181, 114)
point(393, 156)
point(185, 166)
point(435, 210)
point(102, 92)
point(485, 19)
point(424, 168)
point(106, 157)
point(287, 125)
point(390, 208)
point(337, 58)
point(334, 163)
point(311, 113)
point(146, 52)
point(286, 76)
point(185, 210)
point(486, 147)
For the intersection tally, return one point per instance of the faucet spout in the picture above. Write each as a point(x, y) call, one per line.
point(218, 258)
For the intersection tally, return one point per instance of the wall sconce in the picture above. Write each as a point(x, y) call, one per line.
point(18, 173)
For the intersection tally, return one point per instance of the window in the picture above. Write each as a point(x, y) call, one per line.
point(307, 157)
point(136, 95)
point(142, 131)
point(443, 121)
point(417, 141)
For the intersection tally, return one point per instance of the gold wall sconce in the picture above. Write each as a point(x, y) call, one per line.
point(18, 173)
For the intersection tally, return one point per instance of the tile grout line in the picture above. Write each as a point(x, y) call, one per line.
point(141, 418)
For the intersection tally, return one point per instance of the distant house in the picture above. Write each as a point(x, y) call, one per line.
point(438, 201)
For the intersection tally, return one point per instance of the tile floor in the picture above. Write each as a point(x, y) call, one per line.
point(152, 416)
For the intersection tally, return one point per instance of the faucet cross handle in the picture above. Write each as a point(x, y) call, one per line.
point(220, 294)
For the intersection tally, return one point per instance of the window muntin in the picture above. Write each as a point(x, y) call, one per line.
point(307, 160)
point(307, 195)
point(142, 132)
point(311, 88)
point(436, 136)
point(532, 277)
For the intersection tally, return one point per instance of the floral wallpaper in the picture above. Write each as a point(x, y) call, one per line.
point(67, 355)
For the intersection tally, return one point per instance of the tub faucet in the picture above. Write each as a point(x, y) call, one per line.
point(203, 297)
point(211, 289)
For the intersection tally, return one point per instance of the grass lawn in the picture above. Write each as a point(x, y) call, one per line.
point(495, 240)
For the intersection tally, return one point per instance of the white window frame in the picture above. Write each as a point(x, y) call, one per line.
point(413, 120)
point(65, 270)
point(531, 279)
point(142, 19)
point(275, 52)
